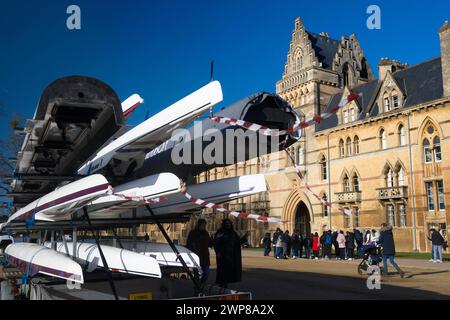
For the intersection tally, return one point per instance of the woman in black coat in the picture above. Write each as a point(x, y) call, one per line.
point(227, 245)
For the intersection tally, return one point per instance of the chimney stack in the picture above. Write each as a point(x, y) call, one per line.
point(444, 35)
point(390, 65)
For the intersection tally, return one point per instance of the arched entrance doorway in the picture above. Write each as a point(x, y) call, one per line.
point(303, 219)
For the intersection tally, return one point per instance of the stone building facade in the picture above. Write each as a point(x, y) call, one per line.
point(386, 156)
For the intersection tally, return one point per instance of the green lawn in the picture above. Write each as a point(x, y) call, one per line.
point(411, 255)
point(421, 255)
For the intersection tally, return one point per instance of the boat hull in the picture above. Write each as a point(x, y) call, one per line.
point(33, 259)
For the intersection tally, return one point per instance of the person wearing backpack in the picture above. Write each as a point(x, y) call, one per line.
point(327, 244)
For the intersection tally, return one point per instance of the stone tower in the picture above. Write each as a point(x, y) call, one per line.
point(317, 66)
point(444, 34)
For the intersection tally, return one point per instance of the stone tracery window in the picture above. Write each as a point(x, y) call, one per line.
point(356, 145)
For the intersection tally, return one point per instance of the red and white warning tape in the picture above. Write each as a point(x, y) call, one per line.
point(308, 188)
point(140, 199)
point(302, 125)
point(239, 215)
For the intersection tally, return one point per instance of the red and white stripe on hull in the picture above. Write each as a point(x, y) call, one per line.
point(130, 104)
point(32, 259)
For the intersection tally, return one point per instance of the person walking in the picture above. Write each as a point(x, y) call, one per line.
point(437, 242)
point(296, 243)
point(350, 245)
point(387, 243)
point(341, 244)
point(199, 242)
point(227, 244)
point(315, 245)
point(267, 244)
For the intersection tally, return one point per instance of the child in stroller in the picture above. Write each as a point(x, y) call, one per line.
point(371, 256)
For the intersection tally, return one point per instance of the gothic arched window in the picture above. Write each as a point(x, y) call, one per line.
point(356, 145)
point(341, 148)
point(401, 135)
point(386, 102)
point(348, 146)
point(356, 186)
point(401, 177)
point(323, 168)
point(383, 139)
point(428, 153)
point(346, 184)
point(325, 205)
point(389, 178)
point(437, 149)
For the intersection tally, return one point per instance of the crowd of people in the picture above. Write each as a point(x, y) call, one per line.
point(345, 244)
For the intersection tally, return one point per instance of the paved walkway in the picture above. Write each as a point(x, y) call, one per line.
point(402, 262)
point(269, 278)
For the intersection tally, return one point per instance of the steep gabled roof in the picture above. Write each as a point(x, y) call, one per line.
point(420, 83)
point(325, 48)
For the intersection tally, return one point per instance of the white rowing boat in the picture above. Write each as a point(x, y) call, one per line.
point(135, 143)
point(33, 259)
point(130, 104)
point(134, 194)
point(118, 260)
point(61, 203)
point(162, 252)
point(213, 191)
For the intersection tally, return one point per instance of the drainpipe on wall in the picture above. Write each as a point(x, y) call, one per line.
point(411, 174)
point(329, 179)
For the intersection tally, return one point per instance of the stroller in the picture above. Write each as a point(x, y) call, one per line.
point(371, 256)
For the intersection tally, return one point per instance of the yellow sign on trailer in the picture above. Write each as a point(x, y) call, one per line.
point(141, 296)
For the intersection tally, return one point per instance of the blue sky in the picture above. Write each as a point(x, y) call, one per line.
point(163, 49)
